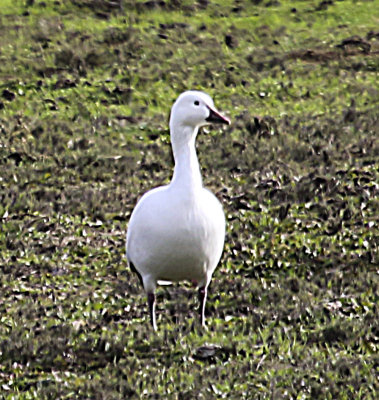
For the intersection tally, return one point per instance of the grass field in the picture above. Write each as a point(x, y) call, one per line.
point(85, 91)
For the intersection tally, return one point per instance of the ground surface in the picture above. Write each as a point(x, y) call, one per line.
point(85, 91)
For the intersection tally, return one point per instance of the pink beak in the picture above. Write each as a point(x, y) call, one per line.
point(216, 117)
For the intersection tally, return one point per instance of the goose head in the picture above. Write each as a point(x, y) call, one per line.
point(195, 109)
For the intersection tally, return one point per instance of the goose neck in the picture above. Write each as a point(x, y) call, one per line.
point(187, 170)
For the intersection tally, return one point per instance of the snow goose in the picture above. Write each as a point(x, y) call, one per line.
point(176, 232)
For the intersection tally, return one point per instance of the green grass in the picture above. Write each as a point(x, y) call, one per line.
point(85, 92)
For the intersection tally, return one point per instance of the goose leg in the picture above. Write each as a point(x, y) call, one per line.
point(202, 299)
point(151, 303)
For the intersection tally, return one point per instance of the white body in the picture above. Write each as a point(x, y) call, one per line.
point(176, 235)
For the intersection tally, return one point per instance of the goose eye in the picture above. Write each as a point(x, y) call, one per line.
point(197, 103)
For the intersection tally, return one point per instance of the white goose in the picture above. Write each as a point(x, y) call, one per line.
point(176, 232)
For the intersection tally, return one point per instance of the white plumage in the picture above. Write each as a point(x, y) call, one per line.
point(176, 232)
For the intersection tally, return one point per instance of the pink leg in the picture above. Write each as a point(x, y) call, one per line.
point(151, 303)
point(202, 300)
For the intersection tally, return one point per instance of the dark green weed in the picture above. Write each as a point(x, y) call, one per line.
point(85, 91)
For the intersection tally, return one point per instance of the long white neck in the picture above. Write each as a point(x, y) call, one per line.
point(187, 170)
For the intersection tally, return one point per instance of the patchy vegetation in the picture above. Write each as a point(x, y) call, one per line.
point(85, 90)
